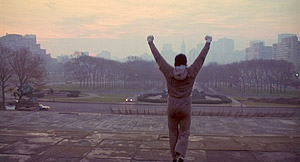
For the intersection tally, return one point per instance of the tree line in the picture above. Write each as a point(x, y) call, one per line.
point(20, 67)
point(258, 75)
point(99, 72)
point(254, 75)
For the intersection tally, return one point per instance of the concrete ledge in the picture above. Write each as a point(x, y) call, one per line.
point(209, 111)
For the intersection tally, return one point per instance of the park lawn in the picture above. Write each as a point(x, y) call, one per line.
point(114, 92)
point(231, 91)
point(108, 95)
point(249, 103)
point(264, 104)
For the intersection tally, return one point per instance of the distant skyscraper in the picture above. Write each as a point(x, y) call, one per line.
point(284, 35)
point(287, 48)
point(258, 50)
point(15, 42)
point(168, 53)
point(183, 50)
point(193, 53)
point(221, 51)
point(255, 42)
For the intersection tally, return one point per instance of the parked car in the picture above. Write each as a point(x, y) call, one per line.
point(73, 95)
point(44, 107)
point(129, 99)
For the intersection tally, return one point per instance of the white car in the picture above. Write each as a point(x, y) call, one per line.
point(43, 107)
point(10, 107)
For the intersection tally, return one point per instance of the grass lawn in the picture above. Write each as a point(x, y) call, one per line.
point(252, 93)
point(265, 104)
point(116, 95)
point(243, 97)
point(249, 103)
point(99, 91)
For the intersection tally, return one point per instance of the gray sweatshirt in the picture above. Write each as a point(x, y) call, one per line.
point(180, 81)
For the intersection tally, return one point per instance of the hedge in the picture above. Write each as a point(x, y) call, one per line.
point(224, 99)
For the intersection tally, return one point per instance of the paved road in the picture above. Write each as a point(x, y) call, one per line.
point(79, 107)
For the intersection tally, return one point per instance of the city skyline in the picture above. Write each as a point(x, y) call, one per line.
point(222, 50)
point(121, 27)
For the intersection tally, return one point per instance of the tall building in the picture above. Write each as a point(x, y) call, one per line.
point(168, 53)
point(284, 35)
point(193, 53)
point(15, 42)
point(287, 48)
point(221, 51)
point(258, 50)
point(251, 43)
point(183, 50)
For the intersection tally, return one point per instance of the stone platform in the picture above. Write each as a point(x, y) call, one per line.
point(90, 137)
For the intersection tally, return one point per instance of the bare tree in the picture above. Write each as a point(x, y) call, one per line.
point(75, 71)
point(100, 72)
point(286, 72)
point(27, 67)
point(5, 72)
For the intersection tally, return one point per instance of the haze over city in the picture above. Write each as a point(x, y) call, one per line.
point(121, 27)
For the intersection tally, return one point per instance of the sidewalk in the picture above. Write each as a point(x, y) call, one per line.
point(90, 137)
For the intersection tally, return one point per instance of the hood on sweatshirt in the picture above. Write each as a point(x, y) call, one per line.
point(180, 72)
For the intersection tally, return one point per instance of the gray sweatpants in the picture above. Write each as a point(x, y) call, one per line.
point(179, 121)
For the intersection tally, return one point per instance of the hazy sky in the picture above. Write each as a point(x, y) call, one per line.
point(121, 26)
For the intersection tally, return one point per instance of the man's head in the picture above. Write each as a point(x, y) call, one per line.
point(180, 59)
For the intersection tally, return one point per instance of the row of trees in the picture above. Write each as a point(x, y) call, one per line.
point(257, 75)
point(19, 67)
point(260, 75)
point(99, 72)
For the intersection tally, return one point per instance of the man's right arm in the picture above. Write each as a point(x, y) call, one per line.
point(163, 65)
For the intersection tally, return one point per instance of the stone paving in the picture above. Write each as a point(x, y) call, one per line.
point(90, 137)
